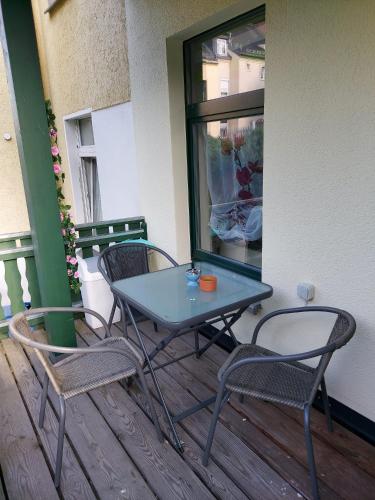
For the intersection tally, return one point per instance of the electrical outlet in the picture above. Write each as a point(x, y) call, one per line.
point(305, 291)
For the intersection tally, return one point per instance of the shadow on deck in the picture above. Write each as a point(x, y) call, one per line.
point(111, 450)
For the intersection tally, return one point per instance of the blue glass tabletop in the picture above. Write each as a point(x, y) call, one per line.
point(165, 297)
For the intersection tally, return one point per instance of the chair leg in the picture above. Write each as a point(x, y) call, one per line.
point(111, 316)
point(60, 442)
point(215, 416)
point(43, 400)
point(123, 319)
point(150, 403)
point(327, 409)
point(196, 340)
point(310, 453)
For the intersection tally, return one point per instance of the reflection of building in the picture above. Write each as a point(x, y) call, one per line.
point(229, 68)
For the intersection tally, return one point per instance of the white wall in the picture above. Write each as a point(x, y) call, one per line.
point(115, 154)
point(319, 176)
point(117, 171)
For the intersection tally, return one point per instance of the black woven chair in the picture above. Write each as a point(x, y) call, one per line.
point(260, 373)
point(126, 260)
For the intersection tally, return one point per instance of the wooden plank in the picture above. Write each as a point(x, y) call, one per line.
point(334, 469)
point(73, 481)
point(214, 477)
point(88, 241)
point(32, 278)
point(192, 377)
point(240, 463)
point(86, 234)
point(12, 237)
point(103, 231)
point(2, 494)
point(112, 222)
point(25, 472)
point(16, 253)
point(170, 477)
point(355, 449)
point(107, 464)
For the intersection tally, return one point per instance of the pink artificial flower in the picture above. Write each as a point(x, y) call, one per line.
point(54, 150)
point(76, 275)
point(53, 132)
point(73, 261)
point(61, 217)
point(56, 168)
point(243, 176)
point(245, 195)
point(70, 272)
point(63, 232)
point(68, 258)
point(72, 231)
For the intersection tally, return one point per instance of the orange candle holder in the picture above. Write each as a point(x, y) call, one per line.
point(208, 282)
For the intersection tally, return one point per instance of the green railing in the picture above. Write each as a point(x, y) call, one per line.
point(19, 287)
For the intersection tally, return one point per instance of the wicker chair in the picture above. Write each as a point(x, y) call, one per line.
point(125, 260)
point(86, 368)
point(260, 373)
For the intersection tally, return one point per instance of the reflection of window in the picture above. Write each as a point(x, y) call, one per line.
point(223, 128)
point(221, 47)
point(226, 152)
point(224, 88)
point(262, 72)
point(248, 66)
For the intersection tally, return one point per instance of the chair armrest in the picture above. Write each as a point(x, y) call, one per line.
point(226, 370)
point(130, 354)
point(293, 310)
point(72, 310)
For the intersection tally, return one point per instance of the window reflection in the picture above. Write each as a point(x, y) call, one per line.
point(229, 64)
point(231, 187)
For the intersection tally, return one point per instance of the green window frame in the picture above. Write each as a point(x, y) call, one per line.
point(239, 105)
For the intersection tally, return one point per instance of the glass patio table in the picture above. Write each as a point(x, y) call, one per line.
point(165, 298)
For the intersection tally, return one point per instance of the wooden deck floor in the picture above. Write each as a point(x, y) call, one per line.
point(111, 451)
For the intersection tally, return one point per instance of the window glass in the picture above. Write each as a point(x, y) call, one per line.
point(90, 190)
point(236, 56)
point(225, 68)
point(86, 132)
point(230, 177)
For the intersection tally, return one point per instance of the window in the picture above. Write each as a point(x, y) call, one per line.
point(224, 88)
point(221, 47)
point(225, 143)
point(223, 128)
point(262, 72)
point(82, 156)
point(88, 172)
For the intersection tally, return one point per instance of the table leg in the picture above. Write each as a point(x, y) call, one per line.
point(227, 328)
point(178, 443)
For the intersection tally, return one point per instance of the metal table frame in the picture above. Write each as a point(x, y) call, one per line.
point(229, 315)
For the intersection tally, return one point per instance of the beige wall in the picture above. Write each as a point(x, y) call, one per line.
point(155, 34)
point(319, 177)
point(83, 54)
point(13, 212)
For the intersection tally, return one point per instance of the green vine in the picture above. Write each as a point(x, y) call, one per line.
point(67, 225)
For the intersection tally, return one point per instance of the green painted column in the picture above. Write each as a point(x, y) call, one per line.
point(18, 39)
